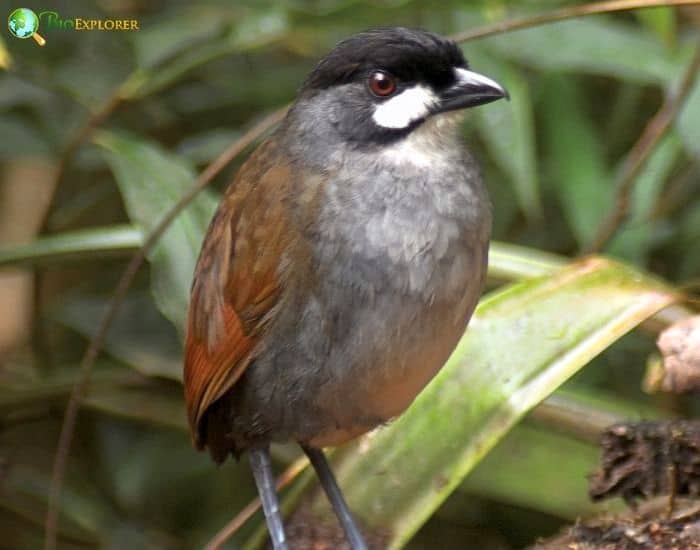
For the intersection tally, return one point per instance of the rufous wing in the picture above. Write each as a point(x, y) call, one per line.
point(236, 285)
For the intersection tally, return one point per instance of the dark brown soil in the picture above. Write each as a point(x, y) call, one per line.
point(649, 528)
point(648, 459)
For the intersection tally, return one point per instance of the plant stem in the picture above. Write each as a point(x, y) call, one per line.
point(528, 21)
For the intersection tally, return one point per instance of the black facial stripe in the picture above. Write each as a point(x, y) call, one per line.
point(367, 135)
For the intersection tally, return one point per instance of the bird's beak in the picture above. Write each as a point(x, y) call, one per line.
point(470, 89)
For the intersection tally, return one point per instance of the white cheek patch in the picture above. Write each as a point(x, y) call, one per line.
point(407, 107)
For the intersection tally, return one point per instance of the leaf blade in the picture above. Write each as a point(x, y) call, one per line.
point(151, 180)
point(73, 245)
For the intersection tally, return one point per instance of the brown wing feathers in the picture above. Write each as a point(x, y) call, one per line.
point(235, 286)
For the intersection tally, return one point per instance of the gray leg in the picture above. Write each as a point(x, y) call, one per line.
point(335, 496)
point(262, 471)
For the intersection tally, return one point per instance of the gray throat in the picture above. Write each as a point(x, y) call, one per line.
point(407, 216)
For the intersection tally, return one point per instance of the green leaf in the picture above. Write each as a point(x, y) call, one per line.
point(686, 241)
point(20, 139)
point(86, 76)
point(510, 261)
point(660, 21)
point(168, 36)
point(152, 180)
point(113, 390)
point(582, 181)
point(139, 336)
point(509, 132)
point(158, 407)
point(203, 148)
point(73, 245)
point(81, 502)
point(23, 487)
point(18, 390)
point(519, 471)
point(16, 92)
point(523, 343)
point(251, 32)
point(688, 121)
point(635, 240)
point(597, 46)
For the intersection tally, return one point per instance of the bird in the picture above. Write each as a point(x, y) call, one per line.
point(344, 261)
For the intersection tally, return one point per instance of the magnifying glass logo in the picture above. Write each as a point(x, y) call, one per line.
point(24, 23)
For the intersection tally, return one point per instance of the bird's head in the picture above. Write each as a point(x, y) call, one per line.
point(381, 84)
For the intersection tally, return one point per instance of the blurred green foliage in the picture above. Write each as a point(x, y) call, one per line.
point(175, 94)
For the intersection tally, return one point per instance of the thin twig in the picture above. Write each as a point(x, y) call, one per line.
point(528, 21)
point(68, 427)
point(289, 475)
point(677, 191)
point(652, 135)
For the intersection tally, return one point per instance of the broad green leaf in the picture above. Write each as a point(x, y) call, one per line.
point(205, 147)
point(74, 245)
point(591, 45)
point(22, 487)
point(168, 36)
point(139, 336)
point(688, 121)
point(76, 207)
point(519, 470)
point(650, 184)
point(688, 237)
point(20, 139)
point(113, 390)
point(151, 180)
point(259, 29)
point(582, 181)
point(150, 405)
point(252, 32)
point(510, 261)
point(522, 344)
point(81, 503)
point(19, 390)
point(509, 132)
point(86, 75)
point(660, 21)
point(635, 239)
point(90, 518)
point(17, 92)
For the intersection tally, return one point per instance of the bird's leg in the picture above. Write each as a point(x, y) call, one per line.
point(262, 471)
point(335, 496)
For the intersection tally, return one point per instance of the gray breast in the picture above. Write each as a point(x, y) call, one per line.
point(407, 218)
point(399, 248)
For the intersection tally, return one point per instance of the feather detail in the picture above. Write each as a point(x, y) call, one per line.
point(234, 290)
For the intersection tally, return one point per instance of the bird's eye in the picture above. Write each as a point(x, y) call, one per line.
point(382, 84)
